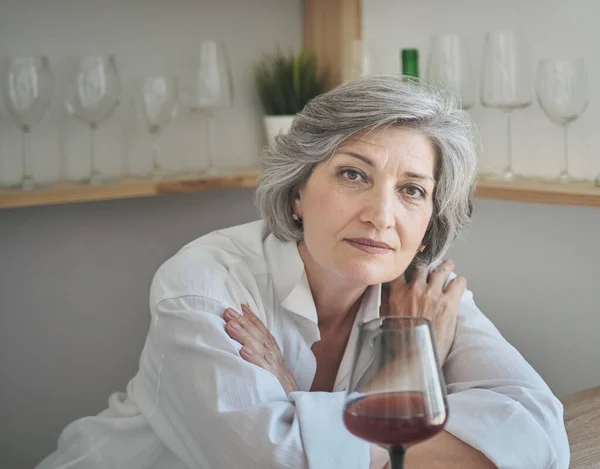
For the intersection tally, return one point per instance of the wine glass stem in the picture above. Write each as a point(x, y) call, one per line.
point(155, 165)
point(210, 138)
point(26, 158)
point(397, 457)
point(93, 170)
point(565, 170)
point(509, 141)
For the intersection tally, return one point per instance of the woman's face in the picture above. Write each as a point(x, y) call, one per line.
point(366, 209)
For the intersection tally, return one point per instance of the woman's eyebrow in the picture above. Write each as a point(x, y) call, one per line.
point(410, 174)
point(363, 158)
point(369, 161)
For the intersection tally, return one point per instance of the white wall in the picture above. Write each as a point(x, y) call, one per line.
point(534, 272)
point(74, 279)
point(533, 268)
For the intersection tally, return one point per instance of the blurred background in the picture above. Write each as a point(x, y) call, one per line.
point(74, 278)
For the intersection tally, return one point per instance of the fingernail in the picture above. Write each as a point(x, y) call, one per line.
point(234, 325)
point(247, 351)
point(231, 313)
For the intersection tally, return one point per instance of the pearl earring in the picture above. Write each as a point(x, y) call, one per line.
point(295, 217)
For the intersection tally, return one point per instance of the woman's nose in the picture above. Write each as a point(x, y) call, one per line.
point(379, 209)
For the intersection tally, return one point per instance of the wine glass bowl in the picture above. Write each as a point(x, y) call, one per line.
point(396, 396)
point(93, 96)
point(28, 90)
point(506, 71)
point(562, 89)
point(156, 100)
point(449, 68)
point(562, 93)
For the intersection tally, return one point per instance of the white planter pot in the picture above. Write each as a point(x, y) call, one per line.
point(275, 125)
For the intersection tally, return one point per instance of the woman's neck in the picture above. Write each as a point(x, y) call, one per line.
point(335, 299)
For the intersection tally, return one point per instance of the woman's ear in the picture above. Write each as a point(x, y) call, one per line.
point(297, 207)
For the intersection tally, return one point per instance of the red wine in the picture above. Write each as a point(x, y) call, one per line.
point(393, 419)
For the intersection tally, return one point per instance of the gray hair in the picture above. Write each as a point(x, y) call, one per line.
point(360, 106)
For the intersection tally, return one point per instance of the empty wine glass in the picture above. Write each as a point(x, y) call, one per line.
point(396, 396)
point(156, 103)
point(212, 90)
point(449, 67)
point(28, 88)
point(92, 96)
point(562, 92)
point(506, 81)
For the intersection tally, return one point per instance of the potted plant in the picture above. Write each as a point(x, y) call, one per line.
point(285, 83)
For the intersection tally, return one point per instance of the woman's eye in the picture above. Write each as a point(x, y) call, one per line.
point(352, 175)
point(414, 192)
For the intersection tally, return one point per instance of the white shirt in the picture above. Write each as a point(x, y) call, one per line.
point(196, 404)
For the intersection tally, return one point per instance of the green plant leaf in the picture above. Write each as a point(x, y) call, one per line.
point(285, 83)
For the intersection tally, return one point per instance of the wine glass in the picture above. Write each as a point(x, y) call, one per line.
point(449, 67)
point(156, 103)
point(396, 396)
point(212, 91)
point(506, 81)
point(28, 88)
point(92, 96)
point(562, 92)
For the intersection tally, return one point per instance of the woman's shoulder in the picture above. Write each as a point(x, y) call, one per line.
point(206, 265)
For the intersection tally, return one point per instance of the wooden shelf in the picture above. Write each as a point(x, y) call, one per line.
point(522, 190)
point(66, 193)
point(540, 192)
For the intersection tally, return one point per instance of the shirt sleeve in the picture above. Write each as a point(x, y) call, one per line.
point(498, 404)
point(214, 410)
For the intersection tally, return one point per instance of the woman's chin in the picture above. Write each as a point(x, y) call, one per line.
point(369, 274)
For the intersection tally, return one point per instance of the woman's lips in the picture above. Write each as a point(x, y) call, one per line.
point(370, 245)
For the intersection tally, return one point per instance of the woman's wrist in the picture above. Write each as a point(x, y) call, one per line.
point(288, 381)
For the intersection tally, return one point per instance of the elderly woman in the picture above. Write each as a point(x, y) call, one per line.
point(251, 335)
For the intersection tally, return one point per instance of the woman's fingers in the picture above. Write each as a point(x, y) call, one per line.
point(258, 345)
point(456, 287)
point(244, 320)
point(439, 275)
point(260, 328)
point(237, 327)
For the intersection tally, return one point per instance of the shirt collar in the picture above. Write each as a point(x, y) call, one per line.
point(292, 289)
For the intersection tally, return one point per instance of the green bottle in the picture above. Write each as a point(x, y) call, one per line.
point(410, 64)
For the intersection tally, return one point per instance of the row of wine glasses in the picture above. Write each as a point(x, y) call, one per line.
point(93, 93)
point(507, 84)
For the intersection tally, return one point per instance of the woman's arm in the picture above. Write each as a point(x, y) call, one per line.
point(498, 404)
point(445, 451)
point(213, 409)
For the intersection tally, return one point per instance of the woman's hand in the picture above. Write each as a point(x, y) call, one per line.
point(425, 297)
point(259, 347)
